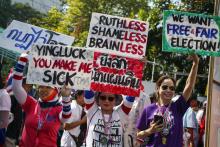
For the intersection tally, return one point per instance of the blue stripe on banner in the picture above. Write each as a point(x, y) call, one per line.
point(130, 98)
point(9, 81)
point(19, 66)
point(66, 108)
point(19, 70)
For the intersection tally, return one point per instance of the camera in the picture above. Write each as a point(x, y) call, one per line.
point(158, 119)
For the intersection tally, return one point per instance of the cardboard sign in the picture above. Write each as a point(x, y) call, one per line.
point(118, 35)
point(54, 65)
point(190, 32)
point(19, 37)
point(116, 74)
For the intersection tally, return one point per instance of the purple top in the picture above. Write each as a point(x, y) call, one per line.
point(176, 112)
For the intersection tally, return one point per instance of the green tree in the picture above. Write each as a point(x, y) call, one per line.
point(16, 11)
point(75, 19)
point(9, 12)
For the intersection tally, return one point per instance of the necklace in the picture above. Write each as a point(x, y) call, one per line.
point(41, 120)
point(168, 122)
point(106, 139)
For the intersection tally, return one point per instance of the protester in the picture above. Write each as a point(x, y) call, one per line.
point(43, 117)
point(14, 128)
point(5, 105)
point(72, 130)
point(201, 118)
point(190, 125)
point(106, 122)
point(130, 137)
point(162, 121)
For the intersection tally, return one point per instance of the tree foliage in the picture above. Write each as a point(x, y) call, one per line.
point(75, 19)
point(16, 11)
point(9, 12)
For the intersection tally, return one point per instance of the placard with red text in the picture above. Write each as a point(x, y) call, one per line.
point(118, 35)
point(54, 65)
point(116, 74)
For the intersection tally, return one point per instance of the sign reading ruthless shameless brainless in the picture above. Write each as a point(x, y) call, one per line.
point(190, 32)
point(116, 74)
point(54, 65)
point(118, 35)
point(19, 37)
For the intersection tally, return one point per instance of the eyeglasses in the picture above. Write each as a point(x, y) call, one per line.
point(165, 87)
point(104, 98)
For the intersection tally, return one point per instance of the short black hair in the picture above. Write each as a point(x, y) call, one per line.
point(77, 93)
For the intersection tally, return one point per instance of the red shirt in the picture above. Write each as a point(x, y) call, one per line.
point(47, 135)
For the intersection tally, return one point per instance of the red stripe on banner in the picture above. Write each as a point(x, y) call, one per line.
point(115, 89)
point(23, 59)
point(16, 77)
point(125, 109)
point(89, 106)
point(66, 115)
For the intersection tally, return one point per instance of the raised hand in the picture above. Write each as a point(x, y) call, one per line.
point(65, 92)
point(194, 58)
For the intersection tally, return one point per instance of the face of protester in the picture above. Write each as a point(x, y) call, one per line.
point(45, 92)
point(107, 102)
point(166, 90)
point(80, 99)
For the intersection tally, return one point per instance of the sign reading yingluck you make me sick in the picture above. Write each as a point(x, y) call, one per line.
point(116, 74)
point(55, 65)
point(190, 32)
point(19, 37)
point(118, 35)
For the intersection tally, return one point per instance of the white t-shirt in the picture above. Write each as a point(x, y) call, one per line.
point(190, 121)
point(66, 139)
point(199, 115)
point(5, 100)
point(97, 133)
point(76, 116)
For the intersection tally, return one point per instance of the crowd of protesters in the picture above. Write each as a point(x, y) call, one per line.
point(44, 116)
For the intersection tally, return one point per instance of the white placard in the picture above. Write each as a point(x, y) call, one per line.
point(55, 65)
point(19, 37)
point(118, 35)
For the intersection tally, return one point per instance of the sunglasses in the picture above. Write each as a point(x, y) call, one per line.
point(104, 98)
point(165, 87)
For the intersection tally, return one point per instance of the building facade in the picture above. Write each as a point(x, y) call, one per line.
point(42, 6)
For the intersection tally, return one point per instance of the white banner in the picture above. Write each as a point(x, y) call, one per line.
point(55, 65)
point(19, 37)
point(118, 35)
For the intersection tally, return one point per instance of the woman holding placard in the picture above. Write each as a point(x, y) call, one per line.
point(43, 117)
point(106, 122)
point(161, 122)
